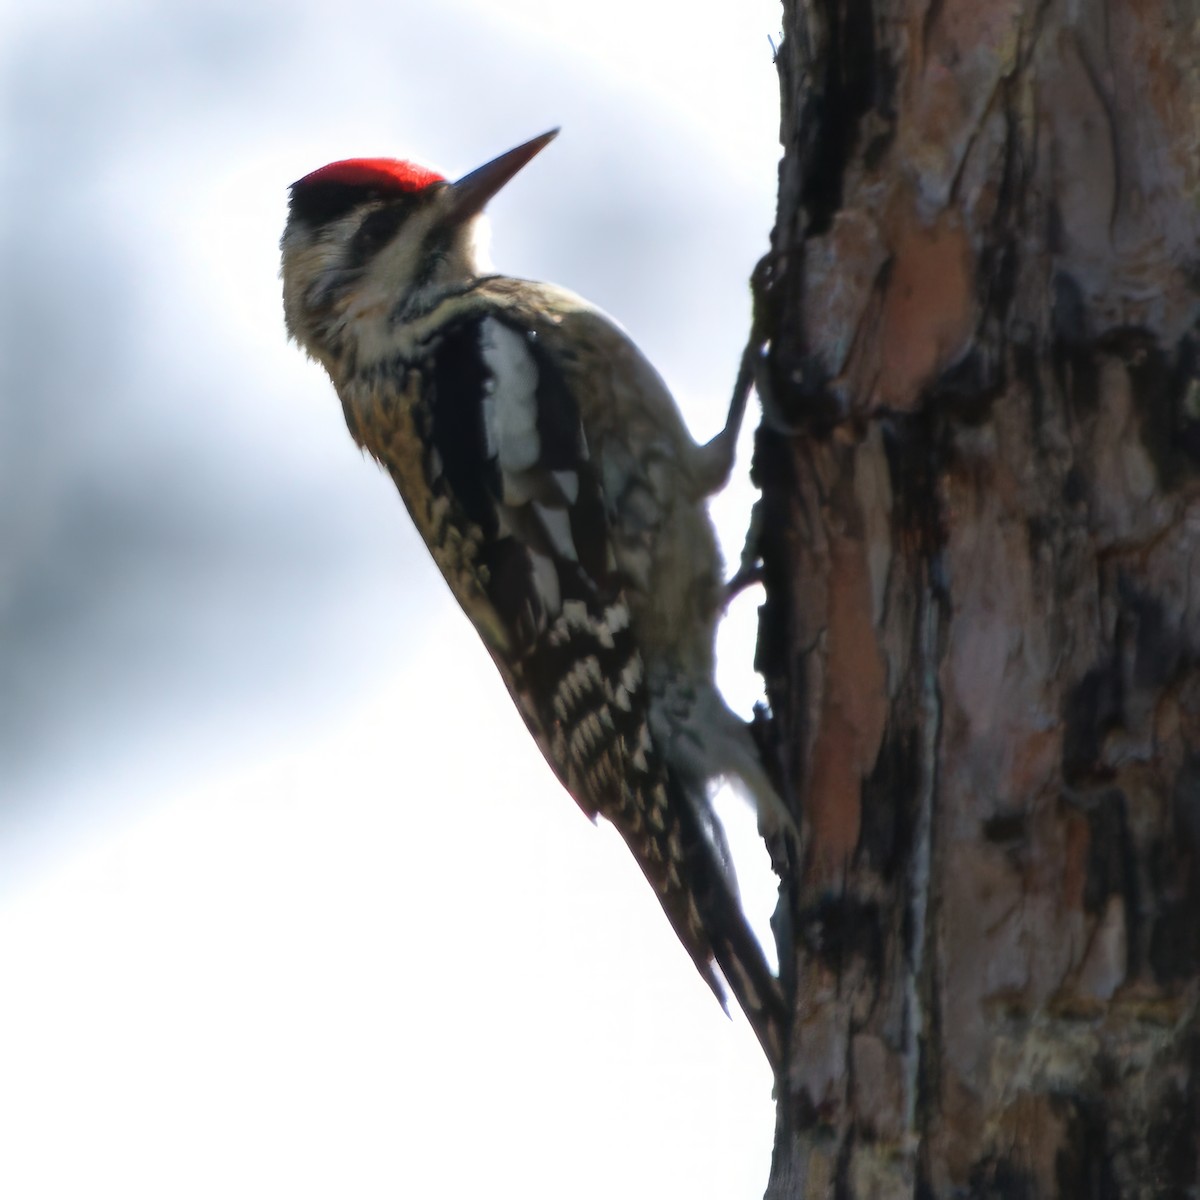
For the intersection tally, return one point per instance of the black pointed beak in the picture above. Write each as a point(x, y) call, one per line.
point(473, 191)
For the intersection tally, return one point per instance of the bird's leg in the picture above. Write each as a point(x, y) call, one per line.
point(715, 457)
point(750, 569)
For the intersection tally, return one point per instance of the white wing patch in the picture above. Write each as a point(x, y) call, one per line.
point(510, 403)
point(568, 483)
point(545, 578)
point(510, 416)
point(557, 524)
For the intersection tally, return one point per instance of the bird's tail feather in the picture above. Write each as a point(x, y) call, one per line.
point(694, 885)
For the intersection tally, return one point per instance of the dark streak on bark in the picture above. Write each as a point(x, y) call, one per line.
point(831, 77)
point(855, 83)
point(839, 929)
point(1174, 1159)
point(774, 472)
point(1092, 709)
point(1167, 394)
point(996, 1178)
point(1174, 950)
point(842, 1189)
point(886, 799)
point(1083, 1165)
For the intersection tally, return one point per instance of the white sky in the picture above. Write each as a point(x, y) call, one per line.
point(289, 903)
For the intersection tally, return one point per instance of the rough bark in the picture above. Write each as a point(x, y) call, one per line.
point(981, 546)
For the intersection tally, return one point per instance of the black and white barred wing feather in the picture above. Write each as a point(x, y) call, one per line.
point(488, 451)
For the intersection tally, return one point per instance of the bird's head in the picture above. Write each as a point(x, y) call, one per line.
point(378, 238)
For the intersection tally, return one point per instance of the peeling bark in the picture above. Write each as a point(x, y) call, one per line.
point(981, 548)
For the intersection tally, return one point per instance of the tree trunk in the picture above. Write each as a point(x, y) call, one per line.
point(981, 546)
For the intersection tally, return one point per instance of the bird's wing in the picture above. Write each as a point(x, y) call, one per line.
point(512, 504)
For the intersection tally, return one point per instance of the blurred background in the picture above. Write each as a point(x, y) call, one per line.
point(289, 903)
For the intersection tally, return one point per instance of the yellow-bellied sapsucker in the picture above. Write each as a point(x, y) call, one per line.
point(549, 471)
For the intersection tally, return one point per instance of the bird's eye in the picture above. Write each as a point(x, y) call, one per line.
point(377, 229)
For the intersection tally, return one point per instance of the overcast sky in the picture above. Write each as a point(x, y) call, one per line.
point(289, 903)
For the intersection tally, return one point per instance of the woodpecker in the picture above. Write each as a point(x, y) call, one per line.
point(550, 473)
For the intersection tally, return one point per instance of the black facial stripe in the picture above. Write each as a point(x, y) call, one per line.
point(319, 203)
point(436, 245)
point(378, 228)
